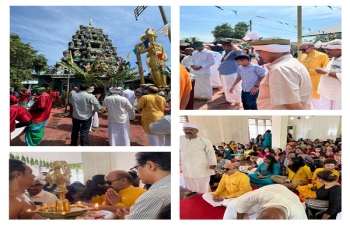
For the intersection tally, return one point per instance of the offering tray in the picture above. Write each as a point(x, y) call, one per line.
point(50, 212)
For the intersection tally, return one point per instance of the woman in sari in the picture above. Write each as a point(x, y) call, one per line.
point(262, 175)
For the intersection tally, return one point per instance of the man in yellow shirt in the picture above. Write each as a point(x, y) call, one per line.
point(313, 59)
point(232, 185)
point(152, 106)
point(120, 191)
point(329, 164)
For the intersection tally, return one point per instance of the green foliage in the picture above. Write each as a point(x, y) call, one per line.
point(76, 166)
point(190, 40)
point(224, 30)
point(240, 30)
point(123, 73)
point(323, 38)
point(23, 60)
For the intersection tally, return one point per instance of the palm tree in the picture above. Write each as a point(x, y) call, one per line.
point(123, 73)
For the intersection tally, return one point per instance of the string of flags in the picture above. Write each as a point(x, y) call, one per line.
point(164, 30)
point(261, 17)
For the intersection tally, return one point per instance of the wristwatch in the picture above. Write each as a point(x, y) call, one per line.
point(256, 86)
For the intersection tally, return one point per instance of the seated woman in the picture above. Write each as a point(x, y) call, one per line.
point(255, 162)
point(262, 175)
point(297, 174)
point(76, 192)
point(280, 157)
point(95, 192)
point(331, 192)
point(266, 151)
point(329, 164)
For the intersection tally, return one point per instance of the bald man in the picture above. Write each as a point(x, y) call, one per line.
point(262, 202)
point(152, 106)
point(226, 191)
point(313, 59)
point(120, 191)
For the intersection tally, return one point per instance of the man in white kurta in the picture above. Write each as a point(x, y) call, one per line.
point(197, 159)
point(118, 118)
point(186, 61)
point(202, 60)
point(274, 195)
point(331, 79)
point(215, 76)
point(38, 194)
point(130, 95)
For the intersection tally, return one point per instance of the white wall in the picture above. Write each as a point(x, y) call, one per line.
point(227, 128)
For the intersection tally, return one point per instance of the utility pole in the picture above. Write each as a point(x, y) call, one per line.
point(250, 25)
point(165, 21)
point(300, 24)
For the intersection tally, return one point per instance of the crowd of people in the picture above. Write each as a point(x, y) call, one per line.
point(305, 169)
point(118, 191)
point(85, 105)
point(276, 80)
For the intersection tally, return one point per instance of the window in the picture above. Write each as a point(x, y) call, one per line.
point(258, 126)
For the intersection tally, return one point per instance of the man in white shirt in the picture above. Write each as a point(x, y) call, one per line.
point(273, 201)
point(202, 60)
point(118, 119)
point(197, 159)
point(38, 195)
point(130, 95)
point(331, 79)
point(186, 61)
point(215, 75)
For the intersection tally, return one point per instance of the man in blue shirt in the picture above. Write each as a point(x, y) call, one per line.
point(228, 72)
point(251, 76)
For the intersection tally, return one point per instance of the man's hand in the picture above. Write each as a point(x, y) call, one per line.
point(321, 70)
point(212, 167)
point(254, 90)
point(112, 197)
point(121, 213)
point(231, 89)
point(217, 198)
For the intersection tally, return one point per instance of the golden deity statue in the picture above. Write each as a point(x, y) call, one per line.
point(59, 173)
point(155, 58)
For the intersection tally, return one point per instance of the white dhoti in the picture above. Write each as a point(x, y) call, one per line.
point(244, 169)
point(156, 140)
point(203, 89)
point(200, 185)
point(231, 212)
point(215, 76)
point(208, 197)
point(119, 134)
point(227, 82)
point(131, 112)
point(326, 104)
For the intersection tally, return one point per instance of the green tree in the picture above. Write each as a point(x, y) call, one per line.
point(240, 30)
point(324, 38)
point(23, 60)
point(190, 40)
point(224, 30)
point(123, 73)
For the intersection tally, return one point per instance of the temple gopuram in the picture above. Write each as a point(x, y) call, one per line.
point(88, 45)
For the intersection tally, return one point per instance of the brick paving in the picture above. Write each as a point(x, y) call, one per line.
point(58, 131)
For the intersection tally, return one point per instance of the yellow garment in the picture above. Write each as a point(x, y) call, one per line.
point(233, 186)
point(246, 153)
point(152, 106)
point(311, 61)
point(233, 147)
point(129, 195)
point(315, 180)
point(98, 199)
point(306, 192)
point(303, 174)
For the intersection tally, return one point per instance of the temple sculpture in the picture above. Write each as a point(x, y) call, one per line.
point(89, 44)
point(155, 57)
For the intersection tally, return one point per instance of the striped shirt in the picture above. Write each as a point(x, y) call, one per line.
point(148, 205)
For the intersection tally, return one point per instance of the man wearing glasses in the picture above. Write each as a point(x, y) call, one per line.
point(120, 191)
point(197, 159)
point(313, 59)
point(232, 185)
point(153, 168)
point(288, 84)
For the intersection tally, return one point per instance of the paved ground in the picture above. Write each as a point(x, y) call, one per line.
point(58, 131)
point(218, 96)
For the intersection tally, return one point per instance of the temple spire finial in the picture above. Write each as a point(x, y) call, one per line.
point(90, 23)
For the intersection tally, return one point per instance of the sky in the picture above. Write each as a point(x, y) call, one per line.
point(49, 29)
point(199, 21)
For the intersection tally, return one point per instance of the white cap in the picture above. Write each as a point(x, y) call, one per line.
point(191, 125)
point(251, 36)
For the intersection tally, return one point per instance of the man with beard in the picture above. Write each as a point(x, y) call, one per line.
point(21, 178)
point(197, 159)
